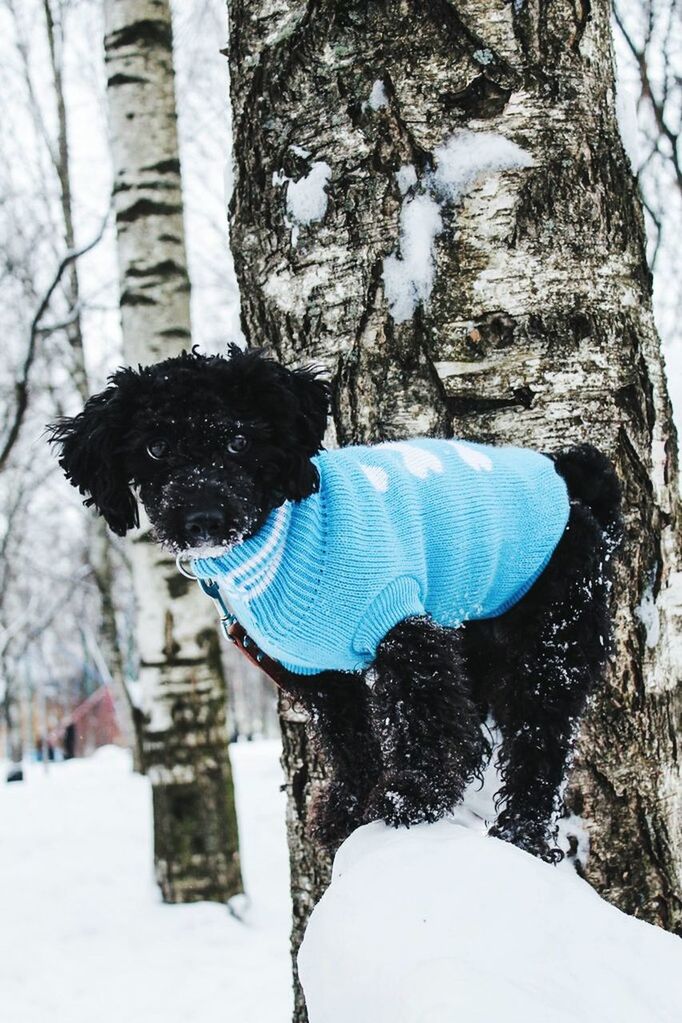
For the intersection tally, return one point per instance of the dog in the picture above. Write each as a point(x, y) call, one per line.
point(399, 628)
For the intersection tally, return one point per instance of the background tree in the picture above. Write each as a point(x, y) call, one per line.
point(46, 578)
point(101, 552)
point(648, 38)
point(433, 199)
point(185, 732)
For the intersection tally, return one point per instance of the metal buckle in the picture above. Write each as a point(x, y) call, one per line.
point(212, 590)
point(181, 568)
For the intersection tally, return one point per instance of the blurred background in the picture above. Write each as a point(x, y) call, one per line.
point(53, 668)
point(75, 824)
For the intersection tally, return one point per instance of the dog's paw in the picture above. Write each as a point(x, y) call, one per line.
point(404, 799)
point(532, 840)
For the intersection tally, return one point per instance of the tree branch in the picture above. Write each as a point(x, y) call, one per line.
point(21, 386)
point(657, 106)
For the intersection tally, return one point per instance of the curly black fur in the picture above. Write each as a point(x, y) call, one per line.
point(427, 723)
point(213, 445)
point(196, 405)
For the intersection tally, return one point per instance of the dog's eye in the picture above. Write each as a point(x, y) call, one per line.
point(237, 444)
point(157, 449)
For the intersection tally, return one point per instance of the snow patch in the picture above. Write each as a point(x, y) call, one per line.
point(470, 155)
point(290, 292)
point(406, 177)
point(378, 97)
point(85, 935)
point(574, 839)
point(371, 678)
point(408, 277)
point(439, 923)
point(307, 197)
point(459, 163)
point(483, 56)
point(647, 613)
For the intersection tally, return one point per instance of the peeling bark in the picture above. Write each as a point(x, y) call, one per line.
point(185, 730)
point(537, 331)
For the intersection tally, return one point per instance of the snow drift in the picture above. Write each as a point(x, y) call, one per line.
point(439, 923)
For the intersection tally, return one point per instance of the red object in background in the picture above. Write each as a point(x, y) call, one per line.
point(90, 725)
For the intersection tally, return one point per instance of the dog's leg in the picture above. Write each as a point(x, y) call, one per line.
point(425, 721)
point(550, 650)
point(339, 720)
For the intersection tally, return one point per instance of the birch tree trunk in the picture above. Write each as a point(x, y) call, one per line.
point(185, 734)
point(469, 260)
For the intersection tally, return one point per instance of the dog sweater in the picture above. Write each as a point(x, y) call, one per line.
point(441, 527)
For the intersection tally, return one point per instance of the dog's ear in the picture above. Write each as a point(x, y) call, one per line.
point(299, 400)
point(310, 422)
point(92, 457)
point(313, 395)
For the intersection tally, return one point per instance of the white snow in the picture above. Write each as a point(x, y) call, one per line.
point(291, 291)
point(440, 924)
point(83, 933)
point(406, 177)
point(460, 163)
point(307, 197)
point(378, 97)
point(484, 56)
point(437, 923)
point(408, 277)
point(647, 613)
point(470, 155)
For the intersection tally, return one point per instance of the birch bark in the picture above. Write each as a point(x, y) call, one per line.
point(471, 262)
point(185, 732)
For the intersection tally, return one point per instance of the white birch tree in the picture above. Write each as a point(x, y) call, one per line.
point(185, 734)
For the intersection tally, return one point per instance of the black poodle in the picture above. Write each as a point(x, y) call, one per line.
point(224, 454)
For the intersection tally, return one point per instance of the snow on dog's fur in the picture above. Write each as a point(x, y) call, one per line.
point(214, 445)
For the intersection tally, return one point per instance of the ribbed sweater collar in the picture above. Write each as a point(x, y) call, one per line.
point(247, 569)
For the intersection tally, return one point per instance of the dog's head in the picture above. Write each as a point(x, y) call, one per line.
point(212, 445)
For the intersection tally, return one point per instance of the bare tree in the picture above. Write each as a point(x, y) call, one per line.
point(433, 199)
point(101, 555)
point(185, 734)
point(648, 38)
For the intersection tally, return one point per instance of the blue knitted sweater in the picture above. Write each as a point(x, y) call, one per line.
point(448, 528)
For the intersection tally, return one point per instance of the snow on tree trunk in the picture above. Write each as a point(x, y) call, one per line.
point(185, 734)
point(432, 199)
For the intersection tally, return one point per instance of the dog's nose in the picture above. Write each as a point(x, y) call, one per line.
point(204, 525)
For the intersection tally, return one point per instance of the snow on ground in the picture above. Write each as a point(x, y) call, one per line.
point(462, 928)
point(437, 923)
point(83, 933)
